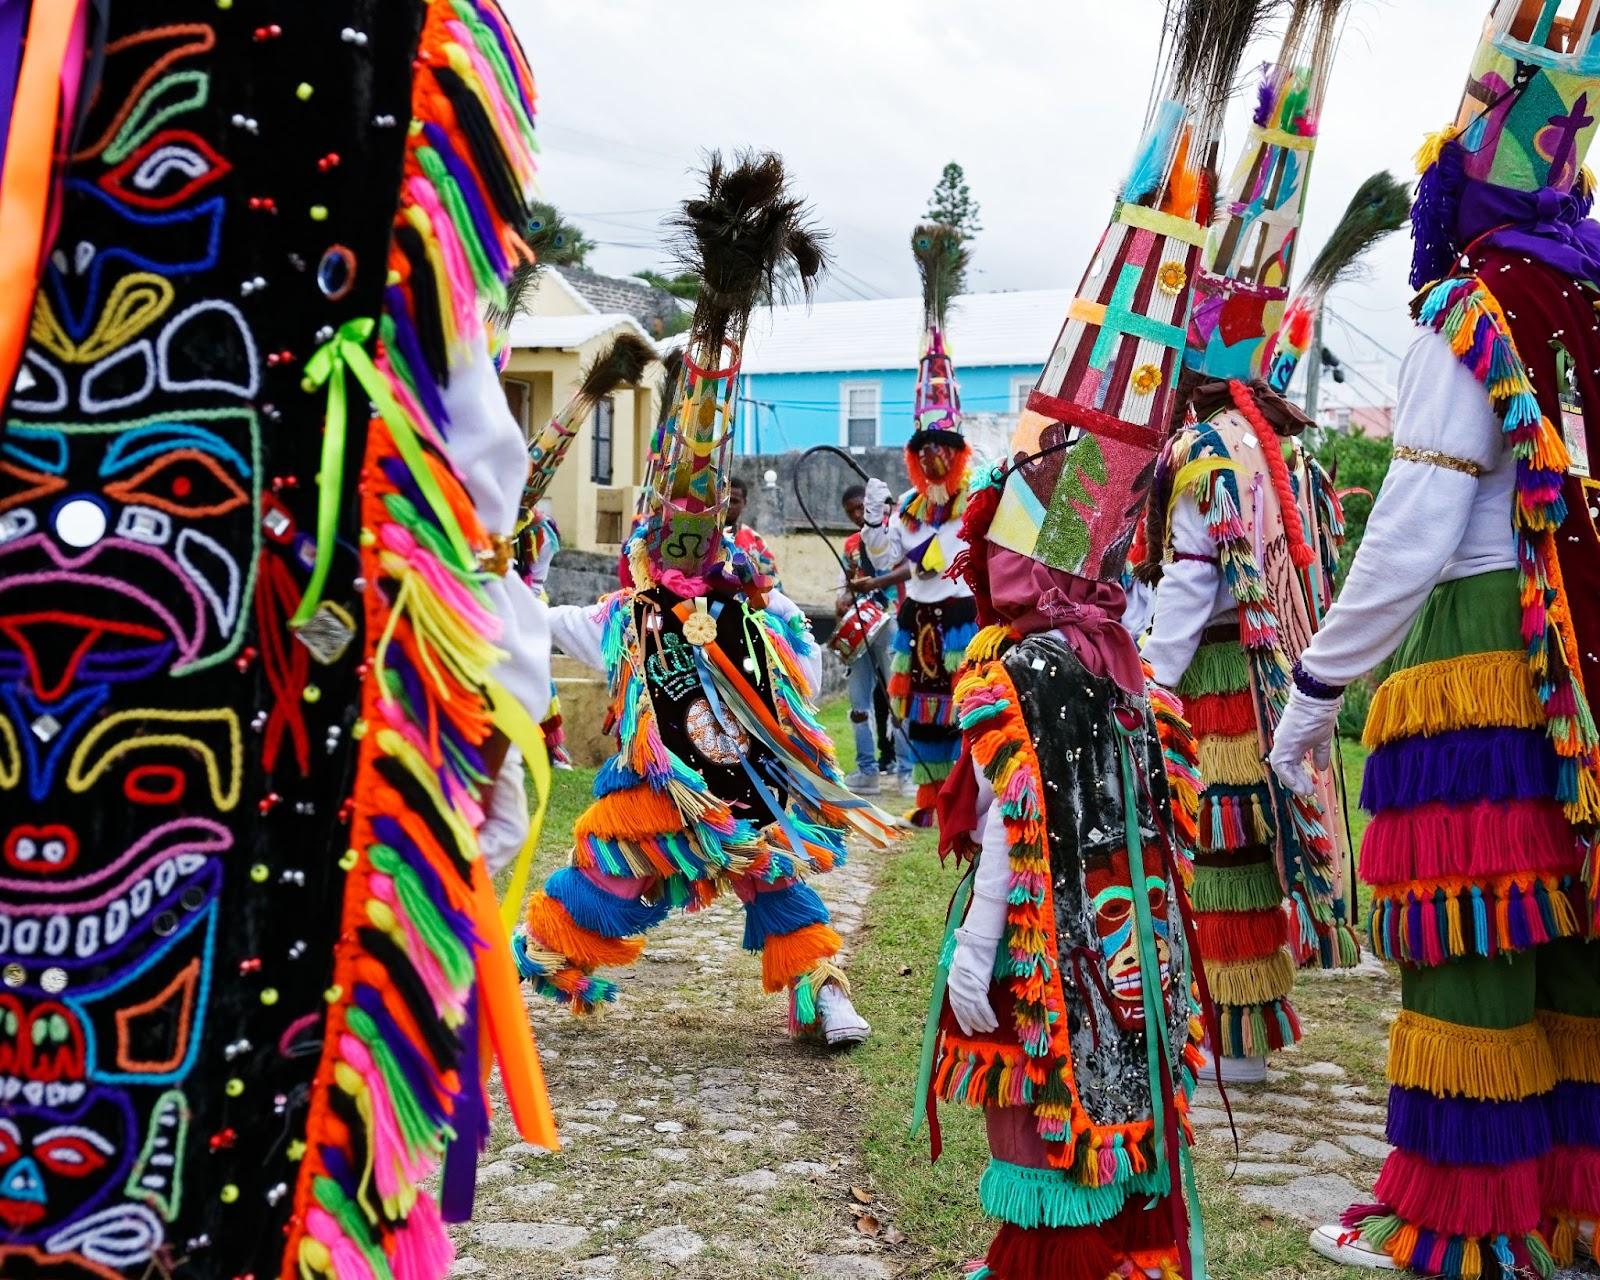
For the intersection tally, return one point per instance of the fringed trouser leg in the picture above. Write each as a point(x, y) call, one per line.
point(1054, 1228)
point(1569, 1013)
point(1238, 895)
point(1472, 865)
point(585, 920)
point(1470, 1075)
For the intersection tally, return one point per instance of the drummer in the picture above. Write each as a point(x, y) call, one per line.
point(861, 581)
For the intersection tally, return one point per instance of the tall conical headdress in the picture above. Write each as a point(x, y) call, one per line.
point(1085, 448)
point(1525, 124)
point(748, 239)
point(942, 257)
point(1243, 287)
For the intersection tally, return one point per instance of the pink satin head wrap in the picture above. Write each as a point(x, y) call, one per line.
point(1032, 597)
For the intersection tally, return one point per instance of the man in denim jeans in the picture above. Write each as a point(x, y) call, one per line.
point(863, 581)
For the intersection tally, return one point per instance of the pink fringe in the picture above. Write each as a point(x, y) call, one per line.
point(422, 1247)
point(1461, 1200)
point(1440, 841)
point(1570, 1177)
point(349, 1263)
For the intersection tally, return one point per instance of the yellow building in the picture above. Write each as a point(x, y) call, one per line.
point(593, 496)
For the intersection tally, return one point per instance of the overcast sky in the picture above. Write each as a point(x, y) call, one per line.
point(1040, 100)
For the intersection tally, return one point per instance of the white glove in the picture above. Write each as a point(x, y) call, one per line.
point(972, 966)
point(875, 506)
point(1307, 727)
point(505, 829)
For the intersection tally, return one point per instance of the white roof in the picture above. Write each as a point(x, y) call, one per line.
point(985, 329)
point(568, 333)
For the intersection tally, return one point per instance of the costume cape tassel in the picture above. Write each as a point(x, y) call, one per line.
point(422, 974)
point(1464, 311)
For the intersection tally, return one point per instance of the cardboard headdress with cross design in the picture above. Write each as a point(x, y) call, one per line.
point(747, 239)
point(1532, 101)
point(1084, 450)
point(1243, 286)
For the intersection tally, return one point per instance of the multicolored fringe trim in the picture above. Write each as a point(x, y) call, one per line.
point(1465, 312)
point(1429, 1253)
point(423, 982)
point(1180, 752)
point(1474, 690)
point(1430, 922)
point(1037, 1070)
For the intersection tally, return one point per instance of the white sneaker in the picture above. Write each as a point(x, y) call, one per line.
point(908, 787)
point(1345, 1246)
point(863, 784)
point(1242, 1070)
point(841, 1024)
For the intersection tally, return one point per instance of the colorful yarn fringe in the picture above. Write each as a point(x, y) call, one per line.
point(1098, 1157)
point(1430, 922)
point(1466, 313)
point(423, 979)
point(1473, 691)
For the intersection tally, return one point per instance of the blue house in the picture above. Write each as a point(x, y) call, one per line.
point(844, 373)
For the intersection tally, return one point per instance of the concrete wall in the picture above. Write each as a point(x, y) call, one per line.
point(797, 410)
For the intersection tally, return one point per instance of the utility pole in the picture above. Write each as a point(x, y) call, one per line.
point(1314, 368)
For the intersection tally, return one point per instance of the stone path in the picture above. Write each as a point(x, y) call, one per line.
point(701, 1141)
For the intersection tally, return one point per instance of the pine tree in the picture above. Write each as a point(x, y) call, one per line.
point(952, 204)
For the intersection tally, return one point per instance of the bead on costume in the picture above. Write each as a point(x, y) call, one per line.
point(255, 975)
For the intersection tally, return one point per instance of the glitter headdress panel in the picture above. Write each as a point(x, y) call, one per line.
point(219, 990)
point(1532, 100)
point(1084, 449)
point(1243, 287)
point(942, 257)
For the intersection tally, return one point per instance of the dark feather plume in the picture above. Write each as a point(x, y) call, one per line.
point(672, 370)
point(621, 364)
point(942, 259)
point(749, 239)
point(1208, 39)
point(1380, 206)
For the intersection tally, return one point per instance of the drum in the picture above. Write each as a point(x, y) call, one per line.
point(857, 630)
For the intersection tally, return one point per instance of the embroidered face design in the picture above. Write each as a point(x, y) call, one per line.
point(935, 460)
point(56, 1165)
point(126, 539)
point(1111, 894)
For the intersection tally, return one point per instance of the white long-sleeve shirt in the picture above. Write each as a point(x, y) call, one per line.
point(890, 545)
point(1191, 595)
point(487, 448)
point(1431, 523)
point(577, 631)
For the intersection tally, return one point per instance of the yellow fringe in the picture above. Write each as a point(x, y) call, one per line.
point(1480, 690)
point(1234, 762)
point(1450, 1060)
point(1471, 1259)
point(1574, 1044)
point(1253, 982)
point(986, 646)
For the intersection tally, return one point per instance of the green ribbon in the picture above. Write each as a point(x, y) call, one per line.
point(345, 353)
point(1157, 1040)
point(941, 981)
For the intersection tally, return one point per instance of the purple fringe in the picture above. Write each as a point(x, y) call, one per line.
point(470, 1120)
point(1460, 767)
point(405, 337)
point(1574, 1111)
point(1458, 1131)
point(483, 220)
point(1433, 217)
